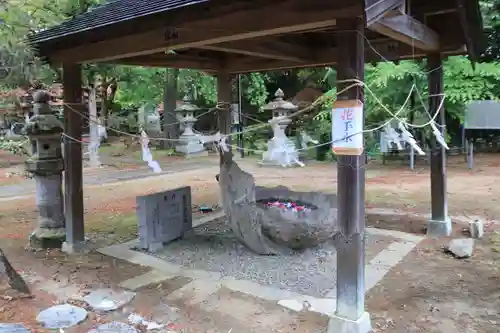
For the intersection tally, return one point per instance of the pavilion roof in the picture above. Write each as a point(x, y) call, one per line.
point(110, 13)
point(241, 35)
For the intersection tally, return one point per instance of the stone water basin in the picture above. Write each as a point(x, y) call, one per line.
point(294, 229)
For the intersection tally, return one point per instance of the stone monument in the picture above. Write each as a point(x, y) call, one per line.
point(163, 217)
point(189, 142)
point(281, 151)
point(46, 164)
point(148, 118)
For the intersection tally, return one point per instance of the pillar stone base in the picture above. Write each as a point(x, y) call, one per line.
point(338, 324)
point(75, 248)
point(439, 228)
point(190, 146)
point(43, 238)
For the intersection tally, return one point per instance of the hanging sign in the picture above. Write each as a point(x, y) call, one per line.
point(347, 127)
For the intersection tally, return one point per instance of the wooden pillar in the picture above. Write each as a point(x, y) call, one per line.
point(170, 121)
point(73, 173)
point(439, 224)
point(224, 97)
point(350, 315)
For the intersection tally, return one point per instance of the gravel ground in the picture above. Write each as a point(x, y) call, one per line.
point(212, 247)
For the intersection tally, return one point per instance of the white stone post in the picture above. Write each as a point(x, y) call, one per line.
point(95, 139)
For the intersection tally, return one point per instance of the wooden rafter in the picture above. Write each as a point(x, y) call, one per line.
point(237, 26)
point(270, 49)
point(172, 61)
point(244, 65)
point(432, 7)
point(407, 30)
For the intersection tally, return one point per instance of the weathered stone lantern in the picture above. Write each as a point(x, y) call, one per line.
point(281, 151)
point(46, 164)
point(189, 142)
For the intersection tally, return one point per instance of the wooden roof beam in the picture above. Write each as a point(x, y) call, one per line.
point(377, 9)
point(175, 61)
point(382, 50)
point(407, 30)
point(240, 25)
point(270, 50)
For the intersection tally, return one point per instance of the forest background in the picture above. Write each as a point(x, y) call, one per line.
point(124, 89)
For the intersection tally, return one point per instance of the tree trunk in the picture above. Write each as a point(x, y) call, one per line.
point(108, 93)
point(170, 122)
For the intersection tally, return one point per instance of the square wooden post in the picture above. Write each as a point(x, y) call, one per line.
point(73, 173)
point(440, 223)
point(224, 98)
point(350, 315)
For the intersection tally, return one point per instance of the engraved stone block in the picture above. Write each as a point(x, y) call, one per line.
point(163, 217)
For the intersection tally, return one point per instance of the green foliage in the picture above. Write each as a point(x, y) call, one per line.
point(139, 85)
point(391, 83)
point(136, 86)
point(254, 88)
point(464, 84)
point(491, 20)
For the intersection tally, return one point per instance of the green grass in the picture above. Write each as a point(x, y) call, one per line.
point(157, 153)
point(495, 242)
point(115, 227)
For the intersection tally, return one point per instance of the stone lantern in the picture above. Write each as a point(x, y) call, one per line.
point(189, 142)
point(281, 151)
point(46, 164)
point(25, 103)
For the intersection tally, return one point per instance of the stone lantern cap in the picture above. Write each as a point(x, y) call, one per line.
point(279, 103)
point(41, 96)
point(44, 122)
point(187, 106)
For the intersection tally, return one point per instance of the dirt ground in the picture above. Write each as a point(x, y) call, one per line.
point(430, 291)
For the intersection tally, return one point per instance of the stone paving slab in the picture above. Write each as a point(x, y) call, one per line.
point(13, 328)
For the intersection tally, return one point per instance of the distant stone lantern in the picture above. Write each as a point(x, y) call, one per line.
point(189, 142)
point(25, 103)
point(281, 151)
point(46, 164)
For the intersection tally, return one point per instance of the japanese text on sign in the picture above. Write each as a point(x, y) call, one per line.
point(347, 119)
point(347, 127)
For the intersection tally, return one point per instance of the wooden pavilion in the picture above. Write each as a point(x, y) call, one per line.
point(226, 37)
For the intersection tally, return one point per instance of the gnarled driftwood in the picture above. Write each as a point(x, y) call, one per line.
point(14, 279)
